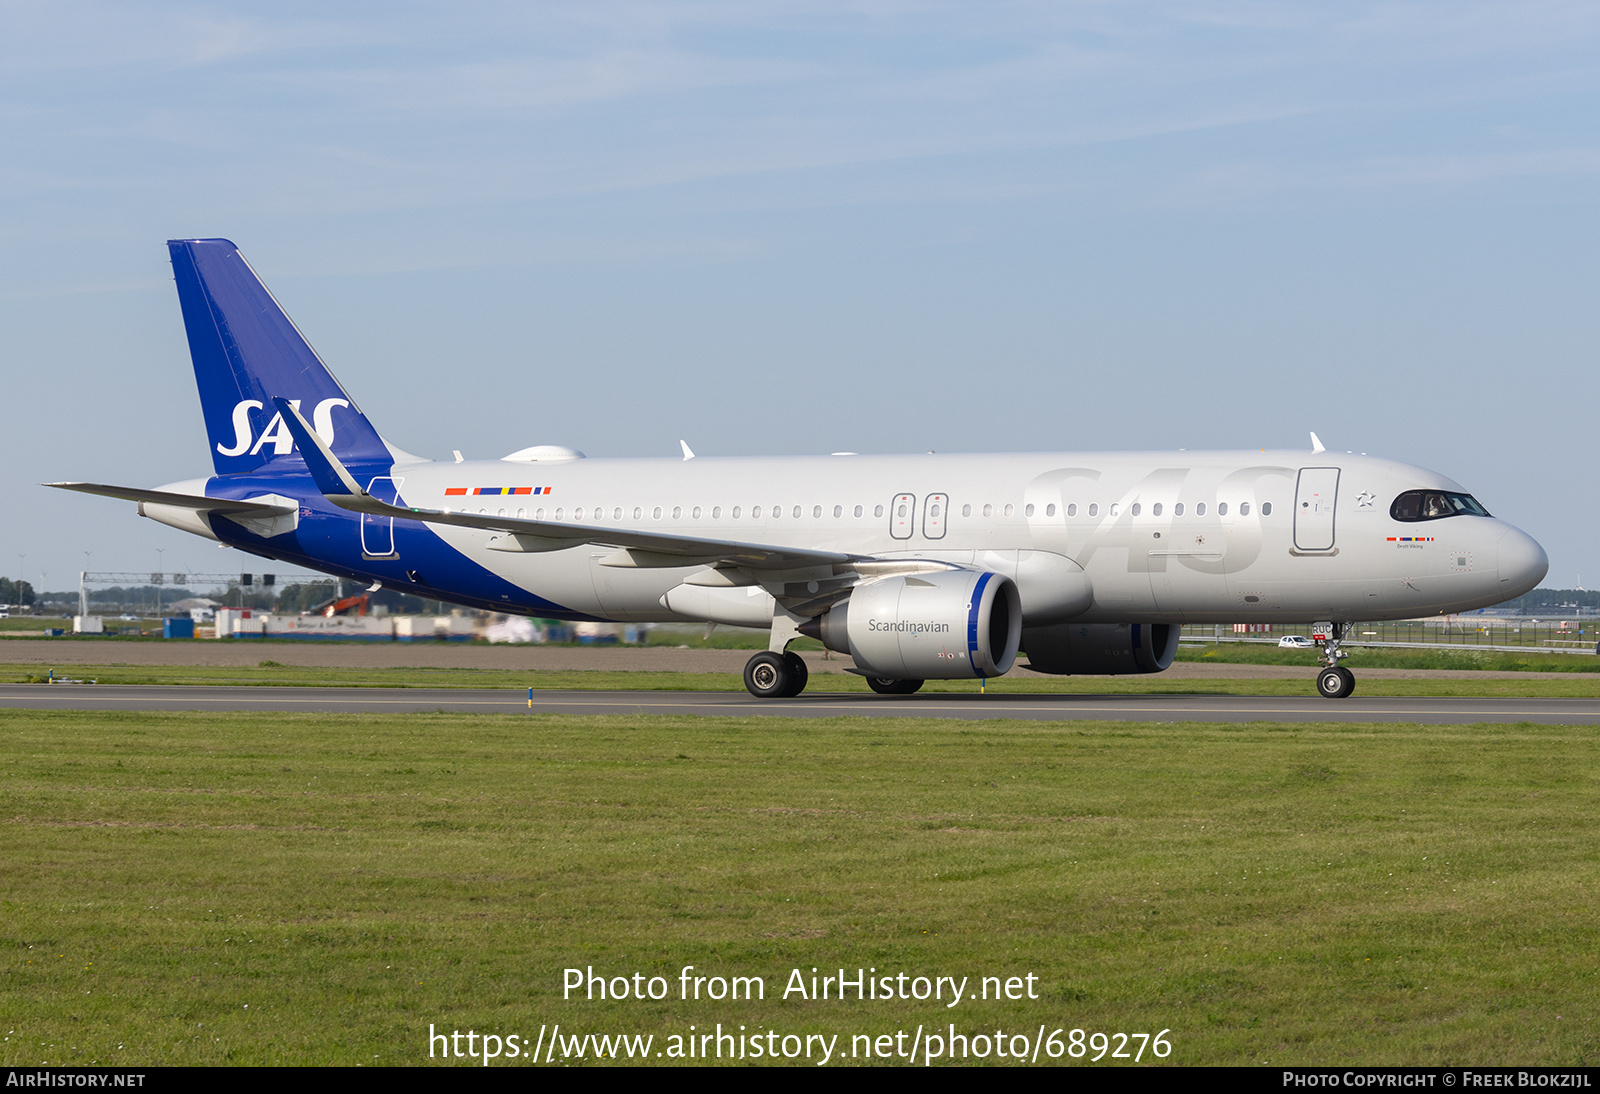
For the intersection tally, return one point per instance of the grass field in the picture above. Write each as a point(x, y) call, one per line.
point(31, 624)
point(319, 889)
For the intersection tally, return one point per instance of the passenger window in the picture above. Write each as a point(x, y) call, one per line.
point(577, 514)
point(838, 511)
point(695, 512)
point(877, 510)
point(796, 513)
point(988, 510)
point(638, 513)
point(1072, 509)
point(538, 514)
point(736, 512)
point(716, 512)
point(1008, 510)
point(777, 512)
point(1028, 511)
point(1200, 509)
point(654, 513)
point(1266, 508)
point(500, 513)
point(1136, 508)
point(1113, 508)
point(966, 510)
point(858, 510)
point(1050, 510)
point(1094, 509)
point(755, 512)
point(1155, 510)
point(1222, 508)
point(1177, 510)
point(1244, 509)
point(521, 513)
point(558, 514)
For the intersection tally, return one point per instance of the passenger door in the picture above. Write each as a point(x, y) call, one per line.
point(1314, 499)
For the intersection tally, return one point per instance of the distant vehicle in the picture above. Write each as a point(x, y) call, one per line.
point(130, 618)
point(1296, 642)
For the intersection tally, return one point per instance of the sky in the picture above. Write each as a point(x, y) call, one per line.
point(810, 227)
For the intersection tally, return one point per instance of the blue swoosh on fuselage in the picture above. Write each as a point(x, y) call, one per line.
point(329, 539)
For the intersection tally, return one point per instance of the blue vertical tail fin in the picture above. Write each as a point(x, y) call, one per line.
point(247, 353)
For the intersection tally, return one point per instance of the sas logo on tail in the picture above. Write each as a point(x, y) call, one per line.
point(276, 433)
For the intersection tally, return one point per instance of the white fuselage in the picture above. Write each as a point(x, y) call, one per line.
point(1151, 536)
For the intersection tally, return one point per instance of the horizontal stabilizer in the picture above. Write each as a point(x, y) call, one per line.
point(185, 501)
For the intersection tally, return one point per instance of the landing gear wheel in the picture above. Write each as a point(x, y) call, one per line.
point(798, 674)
point(883, 685)
point(1349, 680)
point(767, 675)
point(1336, 683)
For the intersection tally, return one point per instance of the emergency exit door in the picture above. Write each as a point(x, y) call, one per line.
point(935, 507)
point(902, 515)
point(1314, 499)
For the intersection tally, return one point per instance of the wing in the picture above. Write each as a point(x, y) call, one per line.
point(635, 548)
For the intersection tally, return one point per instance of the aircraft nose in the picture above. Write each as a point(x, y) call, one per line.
point(1522, 562)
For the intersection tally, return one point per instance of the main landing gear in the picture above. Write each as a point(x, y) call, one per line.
point(770, 675)
point(886, 685)
point(1334, 681)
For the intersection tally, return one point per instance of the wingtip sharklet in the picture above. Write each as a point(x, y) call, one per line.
point(327, 472)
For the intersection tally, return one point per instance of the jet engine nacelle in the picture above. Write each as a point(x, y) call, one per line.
point(945, 625)
point(1100, 649)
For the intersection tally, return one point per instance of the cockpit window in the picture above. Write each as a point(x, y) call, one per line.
point(1415, 505)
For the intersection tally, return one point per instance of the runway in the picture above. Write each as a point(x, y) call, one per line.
point(813, 704)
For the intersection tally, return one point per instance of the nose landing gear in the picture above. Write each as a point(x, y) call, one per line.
point(1334, 681)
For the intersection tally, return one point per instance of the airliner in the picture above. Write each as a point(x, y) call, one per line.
point(915, 567)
